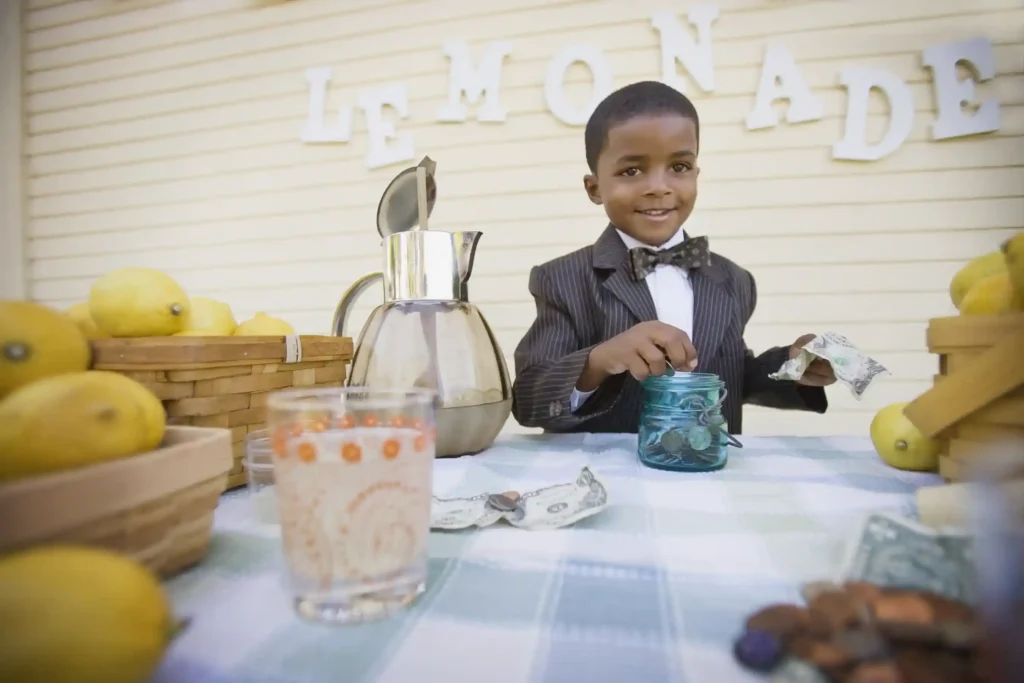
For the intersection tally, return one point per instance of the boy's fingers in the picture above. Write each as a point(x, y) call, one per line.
point(654, 357)
point(680, 351)
point(638, 368)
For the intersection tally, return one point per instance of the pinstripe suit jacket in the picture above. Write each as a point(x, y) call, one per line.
point(587, 297)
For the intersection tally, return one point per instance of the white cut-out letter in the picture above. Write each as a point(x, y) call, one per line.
point(316, 129)
point(859, 82)
point(475, 83)
point(380, 152)
point(952, 94)
point(782, 80)
point(677, 45)
point(554, 90)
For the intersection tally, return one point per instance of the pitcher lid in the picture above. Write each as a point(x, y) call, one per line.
point(398, 210)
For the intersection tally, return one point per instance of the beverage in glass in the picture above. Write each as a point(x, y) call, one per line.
point(353, 472)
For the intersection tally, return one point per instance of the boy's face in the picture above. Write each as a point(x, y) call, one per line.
point(646, 176)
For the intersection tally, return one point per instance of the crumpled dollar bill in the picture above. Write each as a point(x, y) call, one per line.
point(854, 369)
point(551, 507)
point(893, 552)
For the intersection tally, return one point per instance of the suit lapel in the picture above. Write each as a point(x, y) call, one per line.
point(611, 254)
point(712, 309)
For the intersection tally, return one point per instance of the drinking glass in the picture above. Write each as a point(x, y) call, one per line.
point(353, 471)
point(259, 468)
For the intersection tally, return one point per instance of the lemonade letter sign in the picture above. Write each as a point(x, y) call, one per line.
point(958, 111)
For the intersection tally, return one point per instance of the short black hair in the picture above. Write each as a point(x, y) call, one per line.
point(643, 98)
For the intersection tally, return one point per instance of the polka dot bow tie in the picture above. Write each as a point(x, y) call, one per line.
point(692, 253)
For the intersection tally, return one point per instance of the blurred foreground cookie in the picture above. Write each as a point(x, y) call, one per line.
point(862, 633)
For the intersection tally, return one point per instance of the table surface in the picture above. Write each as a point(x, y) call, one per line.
point(654, 588)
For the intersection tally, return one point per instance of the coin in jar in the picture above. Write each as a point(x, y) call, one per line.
point(673, 442)
point(782, 620)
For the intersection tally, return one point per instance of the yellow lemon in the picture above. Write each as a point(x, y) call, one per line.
point(72, 420)
point(80, 614)
point(209, 318)
point(138, 302)
point(263, 325)
point(154, 417)
point(1013, 254)
point(992, 295)
point(977, 269)
point(35, 342)
point(900, 444)
point(80, 314)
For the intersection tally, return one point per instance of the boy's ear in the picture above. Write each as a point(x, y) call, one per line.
point(592, 188)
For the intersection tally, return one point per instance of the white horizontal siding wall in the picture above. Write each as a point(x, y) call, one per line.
point(165, 134)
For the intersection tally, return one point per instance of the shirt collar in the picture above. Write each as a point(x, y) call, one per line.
point(632, 243)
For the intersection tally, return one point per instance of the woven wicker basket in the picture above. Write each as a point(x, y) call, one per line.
point(982, 359)
point(224, 382)
point(156, 507)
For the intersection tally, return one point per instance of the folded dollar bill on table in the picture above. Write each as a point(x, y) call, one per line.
point(852, 367)
point(551, 507)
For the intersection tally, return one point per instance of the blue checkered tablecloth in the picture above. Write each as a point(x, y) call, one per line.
point(652, 589)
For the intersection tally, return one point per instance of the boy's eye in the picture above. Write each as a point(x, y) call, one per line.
point(680, 167)
point(631, 171)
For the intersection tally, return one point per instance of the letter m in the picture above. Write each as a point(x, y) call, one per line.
point(483, 82)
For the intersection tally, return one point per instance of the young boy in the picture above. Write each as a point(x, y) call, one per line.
point(646, 295)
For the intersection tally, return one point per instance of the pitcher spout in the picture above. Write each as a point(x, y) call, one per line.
point(465, 252)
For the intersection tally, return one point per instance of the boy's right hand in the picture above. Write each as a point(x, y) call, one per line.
point(643, 350)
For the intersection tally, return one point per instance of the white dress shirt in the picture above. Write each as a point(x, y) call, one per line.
point(672, 292)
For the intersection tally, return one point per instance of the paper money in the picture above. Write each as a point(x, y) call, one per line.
point(852, 368)
point(897, 553)
point(462, 513)
point(551, 507)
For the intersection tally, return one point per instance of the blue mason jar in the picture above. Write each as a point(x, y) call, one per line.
point(681, 424)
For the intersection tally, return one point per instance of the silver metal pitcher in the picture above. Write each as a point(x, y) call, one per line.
point(427, 334)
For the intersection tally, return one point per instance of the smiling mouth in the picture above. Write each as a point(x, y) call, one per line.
point(655, 213)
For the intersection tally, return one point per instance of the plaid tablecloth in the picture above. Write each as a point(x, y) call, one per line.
point(652, 589)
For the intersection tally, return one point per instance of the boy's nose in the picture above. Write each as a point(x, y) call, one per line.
point(657, 185)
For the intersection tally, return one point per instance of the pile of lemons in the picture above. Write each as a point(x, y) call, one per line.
point(143, 302)
point(992, 284)
point(81, 614)
point(84, 614)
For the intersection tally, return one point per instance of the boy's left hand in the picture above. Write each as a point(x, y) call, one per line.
point(819, 373)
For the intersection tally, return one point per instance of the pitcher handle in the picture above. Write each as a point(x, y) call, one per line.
point(344, 308)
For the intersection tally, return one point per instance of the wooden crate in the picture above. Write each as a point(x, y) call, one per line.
point(155, 507)
point(224, 382)
point(977, 398)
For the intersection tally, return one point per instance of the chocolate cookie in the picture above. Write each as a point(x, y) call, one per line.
point(840, 609)
point(875, 672)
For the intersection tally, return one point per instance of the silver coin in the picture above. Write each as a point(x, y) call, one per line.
point(501, 502)
point(699, 437)
point(673, 442)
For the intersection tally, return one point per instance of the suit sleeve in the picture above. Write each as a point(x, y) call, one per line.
point(549, 360)
point(758, 388)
